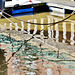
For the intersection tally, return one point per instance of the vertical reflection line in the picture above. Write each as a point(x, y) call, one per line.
point(28, 27)
point(57, 32)
point(52, 29)
point(5, 25)
point(72, 34)
point(64, 32)
point(10, 26)
point(42, 27)
point(16, 28)
point(49, 30)
point(22, 24)
point(35, 28)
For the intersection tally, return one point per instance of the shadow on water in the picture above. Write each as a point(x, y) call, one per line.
point(3, 70)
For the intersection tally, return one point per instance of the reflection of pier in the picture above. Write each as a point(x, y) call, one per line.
point(57, 36)
point(62, 32)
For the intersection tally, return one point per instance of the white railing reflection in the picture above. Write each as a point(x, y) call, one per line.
point(22, 24)
point(72, 34)
point(49, 29)
point(29, 26)
point(64, 32)
point(53, 31)
point(35, 28)
point(57, 32)
point(42, 27)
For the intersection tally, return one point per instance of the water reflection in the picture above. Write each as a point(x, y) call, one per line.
point(61, 32)
point(40, 60)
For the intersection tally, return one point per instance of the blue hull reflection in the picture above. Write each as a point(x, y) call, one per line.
point(22, 10)
point(22, 14)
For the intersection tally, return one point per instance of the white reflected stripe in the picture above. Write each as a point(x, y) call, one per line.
point(16, 28)
point(35, 28)
point(22, 24)
point(72, 34)
point(42, 27)
point(57, 32)
point(49, 30)
point(10, 26)
point(28, 27)
point(64, 32)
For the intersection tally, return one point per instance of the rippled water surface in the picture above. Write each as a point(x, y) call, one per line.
point(39, 59)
